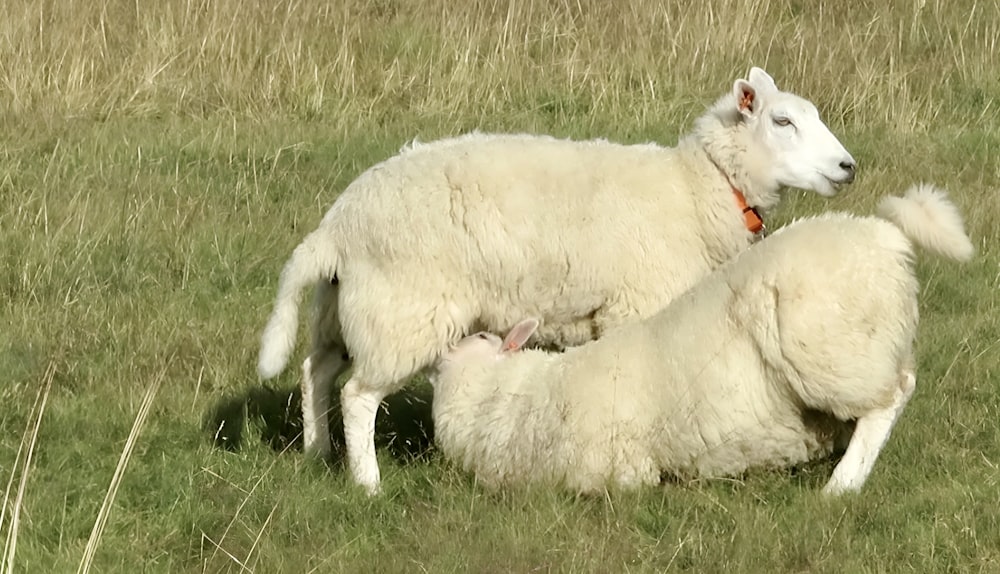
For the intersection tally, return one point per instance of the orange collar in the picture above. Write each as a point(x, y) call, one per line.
point(752, 219)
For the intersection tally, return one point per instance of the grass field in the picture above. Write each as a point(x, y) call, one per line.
point(158, 162)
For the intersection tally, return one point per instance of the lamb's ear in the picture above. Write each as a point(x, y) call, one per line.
point(746, 98)
point(760, 80)
point(519, 335)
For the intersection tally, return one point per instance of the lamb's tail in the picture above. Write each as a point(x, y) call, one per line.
point(928, 218)
point(314, 259)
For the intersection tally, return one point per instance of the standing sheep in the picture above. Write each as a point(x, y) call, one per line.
point(766, 362)
point(482, 230)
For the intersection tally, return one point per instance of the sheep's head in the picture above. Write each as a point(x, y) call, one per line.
point(477, 347)
point(485, 347)
point(805, 153)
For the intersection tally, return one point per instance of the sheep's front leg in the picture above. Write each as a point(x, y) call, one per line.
point(870, 435)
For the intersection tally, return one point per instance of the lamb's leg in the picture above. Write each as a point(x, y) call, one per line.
point(319, 371)
point(870, 434)
point(359, 403)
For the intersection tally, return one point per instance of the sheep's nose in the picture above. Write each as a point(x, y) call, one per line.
point(850, 167)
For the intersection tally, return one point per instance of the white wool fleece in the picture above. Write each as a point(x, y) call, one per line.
point(482, 230)
point(768, 361)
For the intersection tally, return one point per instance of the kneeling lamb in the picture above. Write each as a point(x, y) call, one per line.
point(765, 363)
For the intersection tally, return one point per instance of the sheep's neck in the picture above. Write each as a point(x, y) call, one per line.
point(751, 217)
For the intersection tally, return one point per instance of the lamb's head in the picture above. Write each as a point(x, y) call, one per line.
point(484, 348)
point(804, 152)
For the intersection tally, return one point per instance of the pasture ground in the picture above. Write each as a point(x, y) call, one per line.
point(158, 162)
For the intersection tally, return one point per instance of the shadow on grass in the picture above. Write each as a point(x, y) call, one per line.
point(404, 426)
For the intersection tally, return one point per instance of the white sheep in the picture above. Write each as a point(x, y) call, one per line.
point(482, 230)
point(767, 362)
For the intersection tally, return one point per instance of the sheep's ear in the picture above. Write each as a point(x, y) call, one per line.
point(746, 97)
point(519, 335)
point(760, 80)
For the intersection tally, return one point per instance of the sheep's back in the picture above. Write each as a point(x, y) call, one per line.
point(846, 305)
point(532, 225)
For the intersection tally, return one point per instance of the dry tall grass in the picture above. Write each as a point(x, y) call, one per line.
point(23, 459)
point(363, 58)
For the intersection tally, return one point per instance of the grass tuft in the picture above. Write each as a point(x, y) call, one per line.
point(109, 498)
point(27, 446)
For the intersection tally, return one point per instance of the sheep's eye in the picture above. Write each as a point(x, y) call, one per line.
point(782, 121)
point(482, 336)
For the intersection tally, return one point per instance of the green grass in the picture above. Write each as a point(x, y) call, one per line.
point(158, 162)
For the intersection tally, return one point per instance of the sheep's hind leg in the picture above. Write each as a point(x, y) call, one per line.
point(870, 435)
point(388, 346)
point(359, 403)
point(319, 371)
point(325, 363)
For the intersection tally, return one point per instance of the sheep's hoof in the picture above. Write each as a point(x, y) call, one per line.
point(836, 489)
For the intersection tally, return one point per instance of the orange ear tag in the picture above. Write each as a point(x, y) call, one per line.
point(751, 218)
